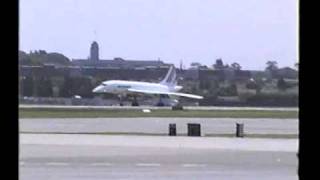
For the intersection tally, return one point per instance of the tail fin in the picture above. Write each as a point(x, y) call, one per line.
point(170, 78)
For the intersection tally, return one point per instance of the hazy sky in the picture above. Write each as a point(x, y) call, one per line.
point(246, 31)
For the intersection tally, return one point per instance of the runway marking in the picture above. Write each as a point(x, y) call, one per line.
point(101, 164)
point(148, 164)
point(193, 165)
point(57, 164)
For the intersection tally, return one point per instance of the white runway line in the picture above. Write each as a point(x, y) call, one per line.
point(193, 165)
point(57, 164)
point(101, 164)
point(148, 164)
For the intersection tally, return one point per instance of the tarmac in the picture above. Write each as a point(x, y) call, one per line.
point(74, 156)
point(158, 126)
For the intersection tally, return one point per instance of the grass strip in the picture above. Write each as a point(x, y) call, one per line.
point(96, 113)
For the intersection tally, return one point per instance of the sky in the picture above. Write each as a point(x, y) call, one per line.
point(250, 32)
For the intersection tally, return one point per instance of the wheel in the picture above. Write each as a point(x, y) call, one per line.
point(135, 104)
point(160, 104)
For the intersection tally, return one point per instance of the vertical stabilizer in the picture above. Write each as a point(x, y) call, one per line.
point(170, 78)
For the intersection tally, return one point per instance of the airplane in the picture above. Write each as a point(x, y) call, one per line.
point(166, 88)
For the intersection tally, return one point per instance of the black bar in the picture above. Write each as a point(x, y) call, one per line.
point(239, 132)
point(172, 130)
point(194, 129)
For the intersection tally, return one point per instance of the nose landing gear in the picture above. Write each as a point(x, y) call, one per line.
point(120, 99)
point(134, 101)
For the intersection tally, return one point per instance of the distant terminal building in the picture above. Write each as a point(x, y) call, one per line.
point(116, 63)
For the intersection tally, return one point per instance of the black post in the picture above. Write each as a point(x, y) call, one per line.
point(172, 130)
point(194, 129)
point(239, 132)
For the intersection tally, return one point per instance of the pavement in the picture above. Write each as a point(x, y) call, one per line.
point(79, 156)
point(84, 157)
point(247, 144)
point(159, 126)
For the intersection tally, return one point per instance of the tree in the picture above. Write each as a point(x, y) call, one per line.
point(296, 65)
point(251, 85)
point(236, 66)
point(272, 65)
point(41, 57)
point(42, 52)
point(85, 87)
point(255, 84)
point(203, 67)
point(195, 65)
point(57, 58)
point(66, 87)
point(27, 86)
point(38, 57)
point(230, 90)
point(205, 84)
point(282, 85)
point(260, 84)
point(45, 87)
point(81, 86)
point(24, 58)
point(219, 64)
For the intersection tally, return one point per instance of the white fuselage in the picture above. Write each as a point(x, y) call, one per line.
point(166, 88)
point(121, 87)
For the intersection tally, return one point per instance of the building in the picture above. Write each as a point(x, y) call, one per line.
point(116, 63)
point(287, 73)
point(94, 52)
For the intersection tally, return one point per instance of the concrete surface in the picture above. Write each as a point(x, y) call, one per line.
point(97, 157)
point(247, 144)
point(157, 125)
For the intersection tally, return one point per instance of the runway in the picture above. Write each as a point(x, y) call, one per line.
point(159, 126)
point(96, 156)
point(122, 157)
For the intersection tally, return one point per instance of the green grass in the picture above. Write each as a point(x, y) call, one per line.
point(94, 113)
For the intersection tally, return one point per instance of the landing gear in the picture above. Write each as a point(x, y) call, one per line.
point(120, 100)
point(135, 101)
point(177, 106)
point(160, 103)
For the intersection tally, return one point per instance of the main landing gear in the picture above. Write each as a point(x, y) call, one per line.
point(134, 101)
point(160, 102)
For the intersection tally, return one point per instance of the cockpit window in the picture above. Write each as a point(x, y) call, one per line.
point(103, 84)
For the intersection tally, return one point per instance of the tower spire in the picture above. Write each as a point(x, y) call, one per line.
point(94, 51)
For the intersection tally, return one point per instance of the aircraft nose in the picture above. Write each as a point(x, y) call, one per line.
point(97, 89)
